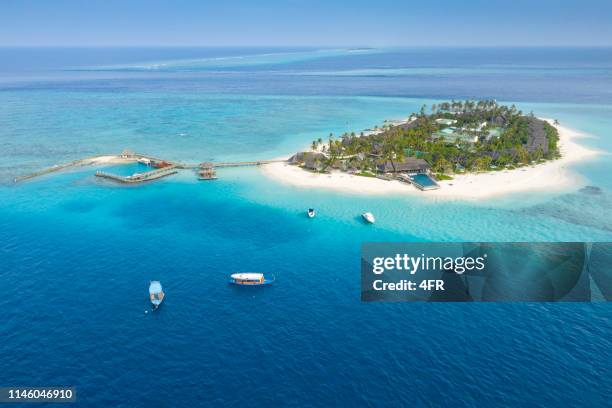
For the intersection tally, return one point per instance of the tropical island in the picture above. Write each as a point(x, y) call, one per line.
point(447, 144)
point(466, 150)
point(454, 137)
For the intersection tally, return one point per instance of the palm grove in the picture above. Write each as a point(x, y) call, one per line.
point(451, 136)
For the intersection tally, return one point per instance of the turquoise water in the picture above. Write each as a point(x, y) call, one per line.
point(77, 253)
point(423, 180)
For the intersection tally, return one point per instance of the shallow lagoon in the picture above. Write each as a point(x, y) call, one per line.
point(77, 252)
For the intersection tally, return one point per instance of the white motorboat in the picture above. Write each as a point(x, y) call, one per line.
point(369, 217)
point(156, 293)
point(311, 213)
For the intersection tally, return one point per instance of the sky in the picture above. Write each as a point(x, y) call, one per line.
point(305, 23)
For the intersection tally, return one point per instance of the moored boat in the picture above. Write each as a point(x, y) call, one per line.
point(368, 217)
point(250, 278)
point(156, 293)
point(311, 213)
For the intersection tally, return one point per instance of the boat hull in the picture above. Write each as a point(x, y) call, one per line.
point(264, 283)
point(368, 218)
point(156, 293)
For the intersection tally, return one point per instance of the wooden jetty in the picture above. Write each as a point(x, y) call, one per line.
point(140, 177)
point(55, 168)
point(229, 164)
point(247, 163)
point(206, 171)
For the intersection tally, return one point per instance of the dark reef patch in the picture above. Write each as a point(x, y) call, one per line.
point(590, 208)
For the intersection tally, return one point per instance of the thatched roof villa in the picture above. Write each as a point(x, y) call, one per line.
point(408, 165)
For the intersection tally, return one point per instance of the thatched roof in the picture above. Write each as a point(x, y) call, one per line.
point(314, 161)
point(310, 160)
point(297, 158)
point(409, 164)
point(537, 136)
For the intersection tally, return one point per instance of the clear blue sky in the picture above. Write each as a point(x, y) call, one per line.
point(302, 22)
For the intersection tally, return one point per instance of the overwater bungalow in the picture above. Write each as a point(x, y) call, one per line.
point(207, 171)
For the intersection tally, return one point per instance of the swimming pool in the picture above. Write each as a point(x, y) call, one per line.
point(424, 182)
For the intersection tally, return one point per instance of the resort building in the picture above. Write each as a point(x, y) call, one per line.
point(537, 136)
point(207, 171)
point(309, 160)
point(446, 122)
point(452, 135)
point(127, 154)
point(408, 165)
point(315, 161)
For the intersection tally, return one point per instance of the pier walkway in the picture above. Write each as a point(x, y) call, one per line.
point(140, 177)
point(231, 164)
point(171, 168)
point(55, 168)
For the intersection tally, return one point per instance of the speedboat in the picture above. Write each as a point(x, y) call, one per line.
point(368, 217)
point(250, 278)
point(156, 293)
point(311, 213)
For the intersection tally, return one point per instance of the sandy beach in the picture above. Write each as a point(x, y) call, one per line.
point(549, 177)
point(99, 160)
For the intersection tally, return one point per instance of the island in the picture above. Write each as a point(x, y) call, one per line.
point(458, 149)
point(450, 144)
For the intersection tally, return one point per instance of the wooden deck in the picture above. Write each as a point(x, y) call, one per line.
point(142, 177)
point(230, 164)
point(54, 168)
point(247, 163)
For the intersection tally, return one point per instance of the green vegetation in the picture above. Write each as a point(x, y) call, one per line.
point(453, 137)
point(440, 176)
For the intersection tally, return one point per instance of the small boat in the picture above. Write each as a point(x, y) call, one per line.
point(156, 293)
point(145, 161)
point(160, 164)
point(250, 278)
point(368, 217)
point(311, 213)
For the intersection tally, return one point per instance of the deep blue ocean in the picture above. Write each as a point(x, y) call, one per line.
point(77, 253)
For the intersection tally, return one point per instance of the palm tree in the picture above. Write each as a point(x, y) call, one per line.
point(522, 154)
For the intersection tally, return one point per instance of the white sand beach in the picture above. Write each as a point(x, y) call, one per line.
point(550, 176)
point(107, 160)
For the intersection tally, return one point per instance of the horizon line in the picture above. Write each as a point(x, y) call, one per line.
point(302, 46)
